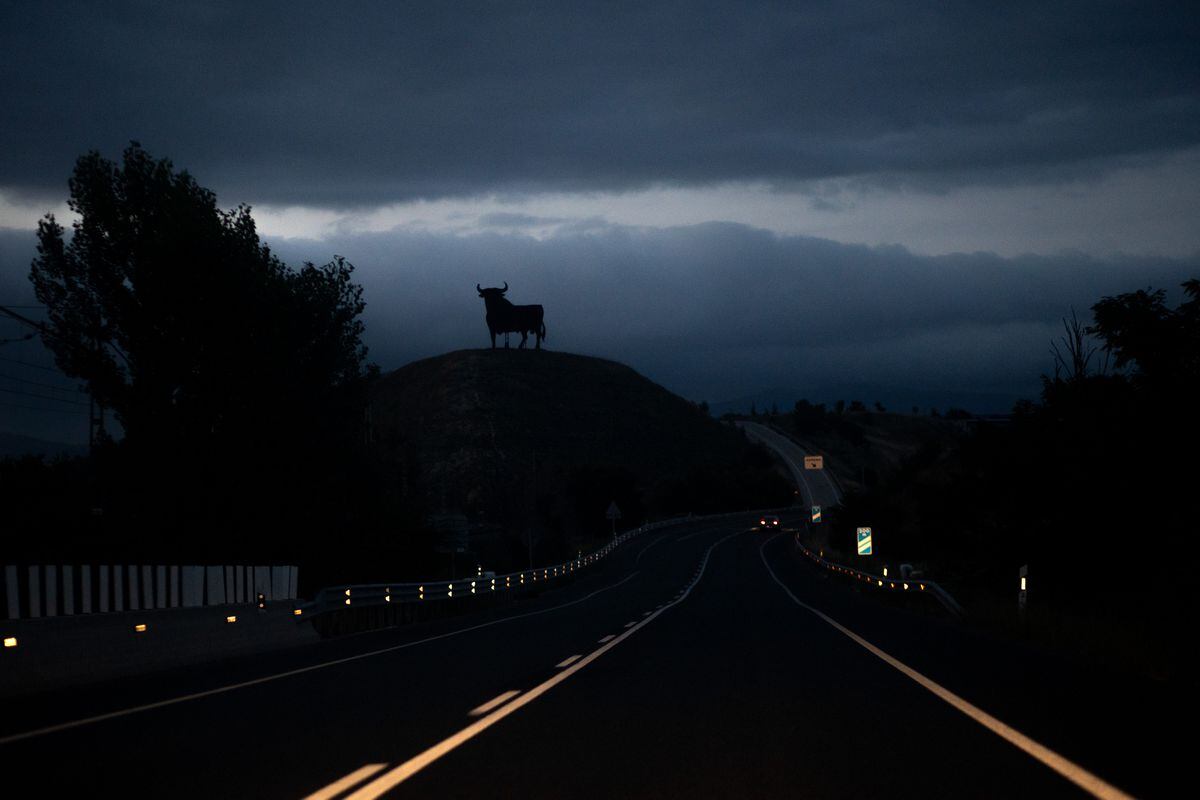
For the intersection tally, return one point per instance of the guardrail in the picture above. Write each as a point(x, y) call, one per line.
point(886, 583)
point(338, 598)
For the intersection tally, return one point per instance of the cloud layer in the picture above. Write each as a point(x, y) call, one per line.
point(713, 312)
point(720, 311)
point(339, 105)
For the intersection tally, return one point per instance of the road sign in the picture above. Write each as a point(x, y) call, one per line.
point(613, 512)
point(814, 462)
point(816, 513)
point(864, 541)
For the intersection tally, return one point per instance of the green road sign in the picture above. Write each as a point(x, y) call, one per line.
point(816, 513)
point(864, 541)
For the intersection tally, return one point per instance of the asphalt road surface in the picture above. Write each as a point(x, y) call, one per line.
point(704, 660)
point(816, 486)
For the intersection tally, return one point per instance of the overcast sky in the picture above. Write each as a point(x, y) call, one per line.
point(804, 199)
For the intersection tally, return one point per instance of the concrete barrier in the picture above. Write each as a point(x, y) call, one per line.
point(50, 590)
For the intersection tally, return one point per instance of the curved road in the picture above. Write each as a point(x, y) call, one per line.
point(704, 660)
point(816, 487)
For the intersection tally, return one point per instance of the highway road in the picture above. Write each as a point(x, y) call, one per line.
point(704, 660)
point(817, 487)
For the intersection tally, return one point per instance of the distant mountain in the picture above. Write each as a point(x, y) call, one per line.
point(15, 444)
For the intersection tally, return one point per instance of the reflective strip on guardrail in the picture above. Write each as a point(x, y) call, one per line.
point(381, 594)
point(884, 582)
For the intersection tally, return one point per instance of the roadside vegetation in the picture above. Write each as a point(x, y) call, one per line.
point(1092, 486)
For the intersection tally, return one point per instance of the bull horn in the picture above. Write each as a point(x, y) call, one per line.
point(505, 289)
point(479, 288)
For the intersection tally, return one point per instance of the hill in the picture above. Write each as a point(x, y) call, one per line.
point(528, 440)
point(863, 448)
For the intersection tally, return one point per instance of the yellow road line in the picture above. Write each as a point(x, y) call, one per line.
point(566, 662)
point(64, 726)
point(342, 784)
point(1076, 774)
point(394, 777)
point(499, 700)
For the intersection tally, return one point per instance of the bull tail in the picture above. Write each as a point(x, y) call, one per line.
point(543, 334)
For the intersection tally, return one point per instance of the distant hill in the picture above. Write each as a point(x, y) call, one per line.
point(528, 438)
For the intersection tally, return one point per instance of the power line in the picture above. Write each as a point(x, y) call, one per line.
point(42, 396)
point(74, 389)
point(43, 408)
point(35, 366)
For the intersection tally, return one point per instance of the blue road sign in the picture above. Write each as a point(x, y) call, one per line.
point(864, 541)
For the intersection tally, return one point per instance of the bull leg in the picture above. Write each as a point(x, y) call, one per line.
point(524, 339)
point(493, 333)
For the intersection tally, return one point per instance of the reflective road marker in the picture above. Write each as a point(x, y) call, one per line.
point(1064, 767)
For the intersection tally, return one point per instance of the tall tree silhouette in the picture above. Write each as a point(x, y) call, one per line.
point(204, 344)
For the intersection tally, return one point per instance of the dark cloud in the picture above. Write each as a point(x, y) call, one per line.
point(714, 312)
point(721, 311)
point(351, 104)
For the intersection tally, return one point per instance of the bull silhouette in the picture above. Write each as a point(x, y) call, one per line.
point(504, 317)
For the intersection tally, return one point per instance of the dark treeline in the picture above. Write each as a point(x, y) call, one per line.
point(1092, 487)
point(232, 384)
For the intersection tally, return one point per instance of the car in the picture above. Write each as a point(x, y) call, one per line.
point(768, 521)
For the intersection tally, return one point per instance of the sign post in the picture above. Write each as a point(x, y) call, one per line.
point(864, 541)
point(613, 515)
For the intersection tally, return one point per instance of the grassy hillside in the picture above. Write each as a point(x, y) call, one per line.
point(863, 448)
point(523, 440)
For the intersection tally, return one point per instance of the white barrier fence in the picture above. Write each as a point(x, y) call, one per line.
point(33, 591)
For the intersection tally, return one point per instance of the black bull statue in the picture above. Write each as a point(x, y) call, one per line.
point(504, 317)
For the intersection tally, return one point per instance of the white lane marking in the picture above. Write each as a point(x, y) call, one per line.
point(608, 638)
point(499, 700)
point(342, 784)
point(394, 777)
point(1060, 764)
point(630, 624)
point(648, 613)
point(16, 737)
point(566, 662)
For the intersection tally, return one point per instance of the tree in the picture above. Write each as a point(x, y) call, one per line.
point(1163, 344)
point(207, 347)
